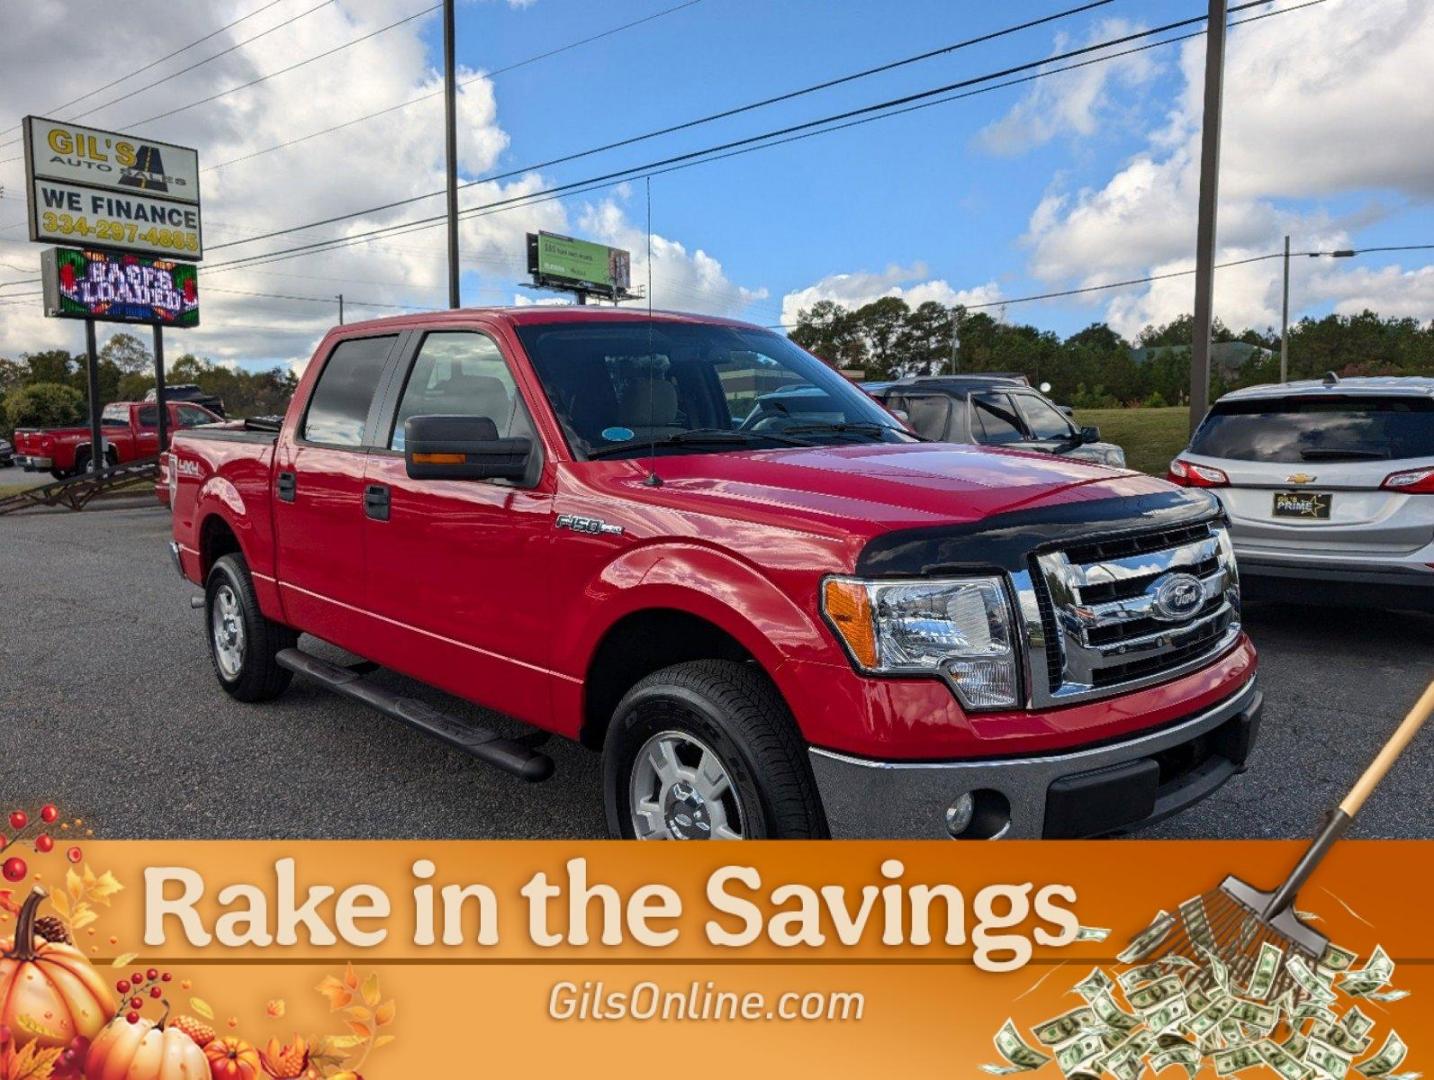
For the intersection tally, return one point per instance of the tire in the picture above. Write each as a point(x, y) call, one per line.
point(82, 463)
point(232, 617)
point(732, 712)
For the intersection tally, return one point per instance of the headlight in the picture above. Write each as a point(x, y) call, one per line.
point(957, 629)
point(1115, 456)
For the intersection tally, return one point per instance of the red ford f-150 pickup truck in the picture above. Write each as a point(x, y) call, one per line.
point(771, 625)
point(130, 430)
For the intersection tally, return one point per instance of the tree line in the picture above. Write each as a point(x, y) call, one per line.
point(1096, 367)
point(50, 388)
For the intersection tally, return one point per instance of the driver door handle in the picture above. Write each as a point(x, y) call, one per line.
point(376, 501)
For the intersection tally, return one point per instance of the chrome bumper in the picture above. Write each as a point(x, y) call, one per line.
point(1081, 792)
point(174, 558)
point(34, 464)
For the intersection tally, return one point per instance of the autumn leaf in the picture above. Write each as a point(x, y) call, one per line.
point(74, 885)
point(384, 1014)
point(103, 888)
point(338, 994)
point(7, 902)
point(276, 1008)
point(202, 1007)
point(371, 994)
point(340, 1042)
point(31, 1062)
point(84, 915)
point(123, 960)
point(351, 979)
point(359, 1013)
point(363, 1031)
point(61, 903)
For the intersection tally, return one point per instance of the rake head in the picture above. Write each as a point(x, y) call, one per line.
point(1231, 925)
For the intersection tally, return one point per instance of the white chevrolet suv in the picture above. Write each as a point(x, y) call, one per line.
point(1329, 487)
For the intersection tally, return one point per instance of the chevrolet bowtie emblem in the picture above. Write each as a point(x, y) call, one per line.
point(1300, 478)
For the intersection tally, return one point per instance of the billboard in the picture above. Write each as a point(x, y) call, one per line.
point(103, 189)
point(115, 287)
point(566, 263)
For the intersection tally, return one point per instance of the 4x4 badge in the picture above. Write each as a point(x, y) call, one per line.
point(590, 525)
point(1300, 478)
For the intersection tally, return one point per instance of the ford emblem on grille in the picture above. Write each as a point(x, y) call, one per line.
point(1177, 598)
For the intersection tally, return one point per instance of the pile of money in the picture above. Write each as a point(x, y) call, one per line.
point(1194, 1011)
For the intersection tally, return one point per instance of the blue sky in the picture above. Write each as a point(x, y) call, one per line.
point(1079, 178)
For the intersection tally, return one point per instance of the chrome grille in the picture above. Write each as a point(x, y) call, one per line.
point(1108, 616)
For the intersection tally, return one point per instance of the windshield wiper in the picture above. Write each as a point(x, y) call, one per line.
point(697, 437)
point(1349, 454)
point(859, 427)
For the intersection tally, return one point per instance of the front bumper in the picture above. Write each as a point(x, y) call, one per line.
point(1086, 792)
point(30, 463)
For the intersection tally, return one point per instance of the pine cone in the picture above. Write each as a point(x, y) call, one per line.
point(52, 929)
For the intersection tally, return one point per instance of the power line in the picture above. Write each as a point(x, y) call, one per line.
point(466, 82)
point(671, 163)
point(724, 114)
point(181, 71)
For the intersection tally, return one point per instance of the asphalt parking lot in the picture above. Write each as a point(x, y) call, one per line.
point(108, 706)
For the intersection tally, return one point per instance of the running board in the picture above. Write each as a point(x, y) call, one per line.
point(510, 755)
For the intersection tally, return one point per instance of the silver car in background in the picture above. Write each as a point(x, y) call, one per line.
point(1329, 487)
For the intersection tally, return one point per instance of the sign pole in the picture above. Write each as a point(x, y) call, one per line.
point(159, 388)
point(1205, 227)
point(450, 124)
point(92, 363)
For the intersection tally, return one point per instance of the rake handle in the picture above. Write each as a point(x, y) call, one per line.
point(1340, 820)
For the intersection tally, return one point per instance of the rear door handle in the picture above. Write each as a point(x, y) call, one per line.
point(376, 502)
point(286, 487)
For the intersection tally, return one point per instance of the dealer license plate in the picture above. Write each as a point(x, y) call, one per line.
point(1302, 504)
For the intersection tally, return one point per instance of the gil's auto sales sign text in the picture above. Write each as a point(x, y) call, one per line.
point(102, 189)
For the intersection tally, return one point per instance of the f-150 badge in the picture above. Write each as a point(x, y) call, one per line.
point(592, 526)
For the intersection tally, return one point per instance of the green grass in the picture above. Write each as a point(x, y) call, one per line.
point(1151, 437)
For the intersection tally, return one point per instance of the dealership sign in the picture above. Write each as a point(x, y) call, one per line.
point(102, 189)
point(561, 262)
point(115, 287)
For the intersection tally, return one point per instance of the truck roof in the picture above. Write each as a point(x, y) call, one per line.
point(533, 314)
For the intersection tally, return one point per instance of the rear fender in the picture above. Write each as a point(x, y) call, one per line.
point(219, 503)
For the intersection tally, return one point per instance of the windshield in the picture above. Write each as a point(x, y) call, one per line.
point(621, 388)
point(1318, 429)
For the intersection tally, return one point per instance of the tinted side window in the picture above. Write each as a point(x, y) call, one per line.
point(929, 415)
point(190, 417)
point(1043, 418)
point(149, 416)
point(115, 416)
point(995, 420)
point(339, 406)
point(462, 374)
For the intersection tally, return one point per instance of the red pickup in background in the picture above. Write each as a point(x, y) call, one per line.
point(130, 430)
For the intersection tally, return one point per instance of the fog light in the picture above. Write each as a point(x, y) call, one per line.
point(959, 815)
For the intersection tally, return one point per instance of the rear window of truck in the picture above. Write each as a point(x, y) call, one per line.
point(1335, 428)
point(338, 409)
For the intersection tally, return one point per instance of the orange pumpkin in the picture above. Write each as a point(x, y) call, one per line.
point(144, 1051)
point(232, 1059)
point(49, 994)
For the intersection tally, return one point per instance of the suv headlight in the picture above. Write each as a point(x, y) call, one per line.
point(958, 629)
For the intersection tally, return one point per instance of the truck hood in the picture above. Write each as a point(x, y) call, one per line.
point(872, 488)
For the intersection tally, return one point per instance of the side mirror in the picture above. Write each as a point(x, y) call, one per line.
point(462, 448)
point(1067, 409)
point(1090, 434)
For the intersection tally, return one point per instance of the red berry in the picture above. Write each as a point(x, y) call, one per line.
point(166, 977)
point(43, 844)
point(14, 869)
point(48, 813)
point(155, 992)
point(122, 986)
point(137, 978)
point(19, 819)
point(132, 1017)
point(74, 854)
point(136, 1003)
point(152, 974)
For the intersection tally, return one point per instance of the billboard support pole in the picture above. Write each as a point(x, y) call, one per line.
point(450, 124)
point(1205, 227)
point(159, 388)
point(92, 364)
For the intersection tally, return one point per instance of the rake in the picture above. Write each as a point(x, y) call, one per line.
point(1233, 922)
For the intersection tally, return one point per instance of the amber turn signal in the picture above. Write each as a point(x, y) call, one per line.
point(848, 607)
point(439, 459)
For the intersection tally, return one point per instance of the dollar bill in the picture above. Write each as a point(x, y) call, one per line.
point(1151, 996)
point(1144, 973)
point(1197, 998)
point(1236, 1059)
point(1276, 1057)
point(1329, 1060)
point(1262, 1017)
point(1168, 1015)
point(1308, 981)
point(1267, 966)
point(1296, 1044)
point(1094, 984)
point(1082, 1050)
point(1209, 1018)
point(1186, 1056)
point(1375, 974)
point(1112, 1015)
point(1340, 1037)
point(1219, 973)
point(1092, 933)
point(1019, 1056)
point(1313, 1010)
point(1387, 996)
point(1355, 1022)
point(1336, 959)
point(1065, 1027)
point(1391, 1055)
point(1149, 939)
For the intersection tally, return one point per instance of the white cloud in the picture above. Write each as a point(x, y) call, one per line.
point(1389, 290)
point(855, 289)
point(1320, 102)
point(1077, 103)
point(395, 156)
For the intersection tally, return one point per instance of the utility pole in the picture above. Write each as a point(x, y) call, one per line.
point(341, 309)
point(1209, 196)
point(450, 122)
point(92, 380)
point(1285, 321)
point(159, 388)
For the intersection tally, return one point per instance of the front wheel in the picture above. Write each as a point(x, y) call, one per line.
point(243, 643)
point(707, 750)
